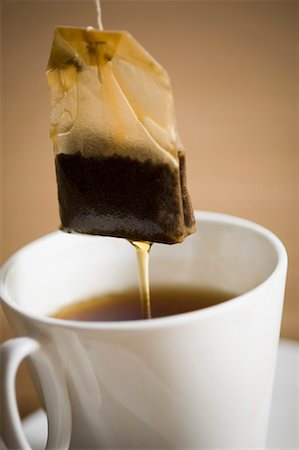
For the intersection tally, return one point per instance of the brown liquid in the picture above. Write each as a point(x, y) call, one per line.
point(142, 253)
point(165, 301)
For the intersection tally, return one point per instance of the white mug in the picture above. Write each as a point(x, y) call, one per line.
point(201, 379)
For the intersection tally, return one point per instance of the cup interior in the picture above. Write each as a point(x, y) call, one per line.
point(225, 253)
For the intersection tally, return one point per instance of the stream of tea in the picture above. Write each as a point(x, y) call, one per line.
point(142, 249)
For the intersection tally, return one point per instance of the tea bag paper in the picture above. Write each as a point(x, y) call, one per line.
point(120, 164)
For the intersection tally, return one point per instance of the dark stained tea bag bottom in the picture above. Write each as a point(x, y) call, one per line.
point(123, 197)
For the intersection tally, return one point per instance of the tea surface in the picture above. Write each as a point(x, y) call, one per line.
point(165, 301)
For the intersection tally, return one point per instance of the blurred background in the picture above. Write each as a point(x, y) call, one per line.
point(234, 67)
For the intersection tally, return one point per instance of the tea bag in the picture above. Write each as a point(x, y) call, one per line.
point(120, 165)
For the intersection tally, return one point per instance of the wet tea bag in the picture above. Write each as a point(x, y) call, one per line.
point(119, 162)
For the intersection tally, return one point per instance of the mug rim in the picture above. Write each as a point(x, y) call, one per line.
point(158, 322)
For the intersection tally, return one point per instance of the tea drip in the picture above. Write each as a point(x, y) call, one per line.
point(142, 252)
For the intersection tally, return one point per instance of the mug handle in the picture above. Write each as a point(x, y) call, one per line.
point(57, 404)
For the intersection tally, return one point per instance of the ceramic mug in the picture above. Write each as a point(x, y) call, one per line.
point(196, 380)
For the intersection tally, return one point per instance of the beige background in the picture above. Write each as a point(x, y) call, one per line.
point(234, 68)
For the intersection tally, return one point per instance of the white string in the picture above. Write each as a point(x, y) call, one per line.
point(99, 13)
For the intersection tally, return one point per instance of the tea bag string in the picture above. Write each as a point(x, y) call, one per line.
point(99, 15)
